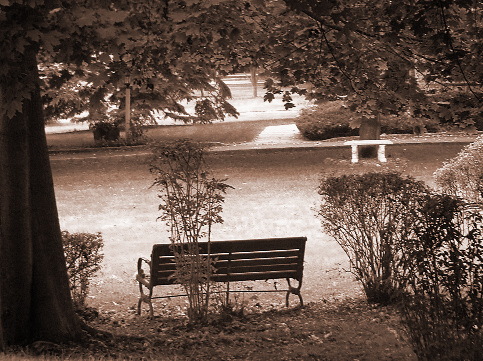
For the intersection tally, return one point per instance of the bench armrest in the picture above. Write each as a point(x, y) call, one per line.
point(141, 275)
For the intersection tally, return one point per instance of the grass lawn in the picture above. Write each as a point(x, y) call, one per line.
point(255, 115)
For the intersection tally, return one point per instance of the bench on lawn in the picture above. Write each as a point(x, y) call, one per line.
point(243, 260)
point(381, 154)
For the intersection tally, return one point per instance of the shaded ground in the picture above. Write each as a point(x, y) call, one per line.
point(219, 133)
point(337, 330)
point(349, 330)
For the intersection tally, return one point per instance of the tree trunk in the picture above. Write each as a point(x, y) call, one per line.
point(254, 80)
point(369, 129)
point(35, 300)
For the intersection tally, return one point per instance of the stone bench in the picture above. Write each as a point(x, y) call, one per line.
point(381, 154)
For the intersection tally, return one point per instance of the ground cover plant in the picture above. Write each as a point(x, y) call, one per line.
point(462, 176)
point(83, 257)
point(418, 249)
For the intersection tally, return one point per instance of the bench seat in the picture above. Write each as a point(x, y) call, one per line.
point(381, 154)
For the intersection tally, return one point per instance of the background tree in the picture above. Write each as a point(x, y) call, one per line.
point(384, 57)
point(174, 56)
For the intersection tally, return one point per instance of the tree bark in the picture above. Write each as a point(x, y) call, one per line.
point(369, 129)
point(35, 300)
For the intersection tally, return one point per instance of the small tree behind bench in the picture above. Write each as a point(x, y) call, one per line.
point(191, 202)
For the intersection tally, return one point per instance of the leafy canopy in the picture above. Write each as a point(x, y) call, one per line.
point(169, 50)
point(384, 57)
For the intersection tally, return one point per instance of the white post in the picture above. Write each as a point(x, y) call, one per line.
point(127, 109)
point(254, 80)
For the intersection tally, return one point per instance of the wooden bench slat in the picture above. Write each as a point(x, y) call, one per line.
point(256, 268)
point(255, 276)
point(256, 261)
point(239, 266)
point(252, 245)
point(255, 245)
point(256, 254)
point(246, 260)
point(165, 260)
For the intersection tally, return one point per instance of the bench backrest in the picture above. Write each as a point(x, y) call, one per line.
point(243, 260)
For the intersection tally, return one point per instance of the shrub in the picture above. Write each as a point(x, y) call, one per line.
point(443, 305)
point(406, 124)
point(105, 131)
point(325, 121)
point(463, 175)
point(83, 258)
point(191, 202)
point(368, 214)
point(332, 119)
point(457, 108)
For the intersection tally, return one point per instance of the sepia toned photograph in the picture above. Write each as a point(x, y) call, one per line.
point(241, 180)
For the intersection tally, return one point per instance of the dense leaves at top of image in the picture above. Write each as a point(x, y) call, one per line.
point(417, 57)
point(168, 51)
point(382, 57)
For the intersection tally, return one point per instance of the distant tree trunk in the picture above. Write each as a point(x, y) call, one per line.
point(35, 300)
point(254, 80)
point(369, 129)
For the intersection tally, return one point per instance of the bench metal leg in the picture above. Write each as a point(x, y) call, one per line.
point(295, 291)
point(146, 299)
point(141, 278)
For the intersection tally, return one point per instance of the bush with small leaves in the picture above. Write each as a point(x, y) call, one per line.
point(462, 176)
point(83, 256)
point(325, 121)
point(368, 215)
point(191, 203)
point(442, 307)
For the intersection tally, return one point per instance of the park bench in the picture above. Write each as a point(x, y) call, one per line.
point(381, 154)
point(243, 260)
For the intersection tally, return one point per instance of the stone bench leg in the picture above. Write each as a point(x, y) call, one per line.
point(355, 153)
point(381, 154)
